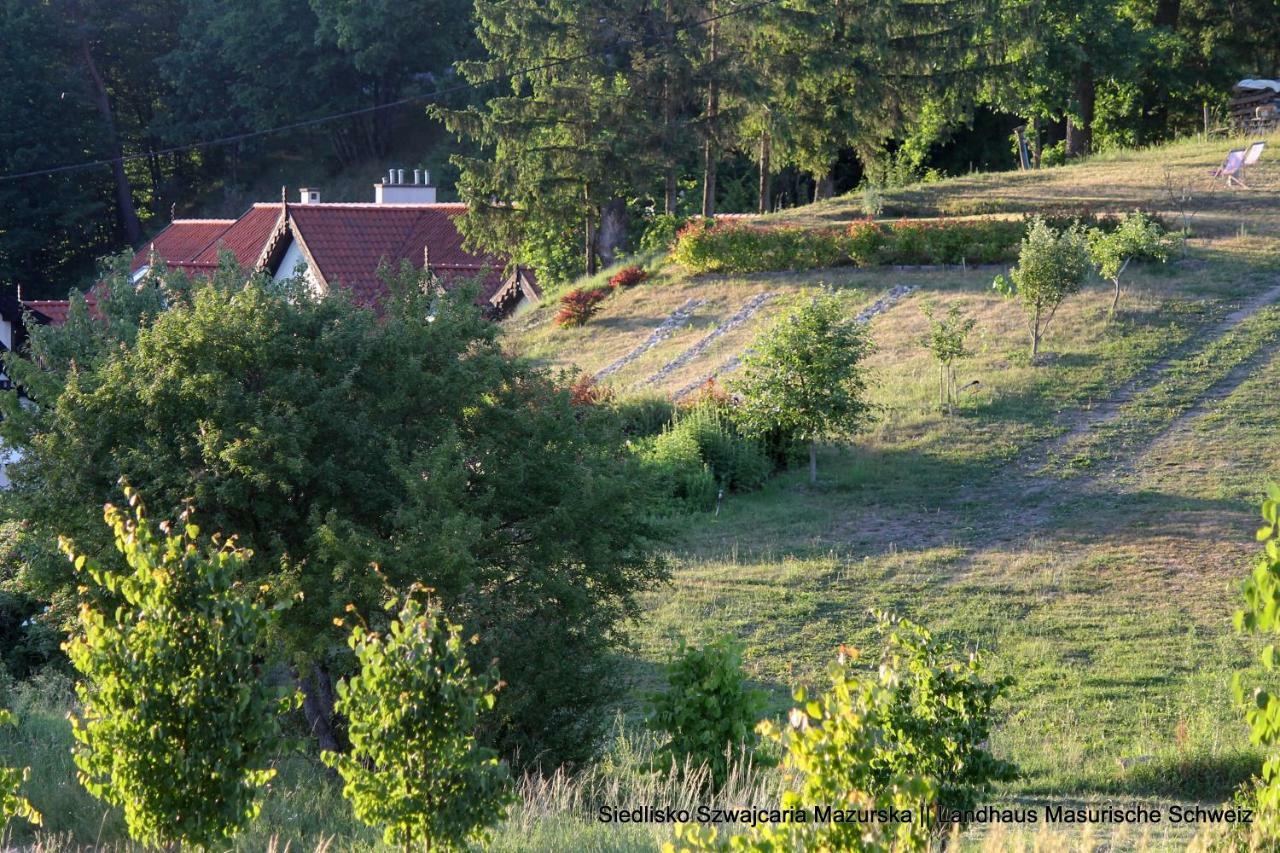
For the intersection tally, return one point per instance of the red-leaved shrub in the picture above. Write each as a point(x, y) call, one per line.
point(628, 277)
point(578, 306)
point(586, 391)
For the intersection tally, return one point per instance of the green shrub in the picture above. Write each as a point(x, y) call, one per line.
point(1261, 615)
point(177, 726)
point(706, 707)
point(940, 717)
point(739, 464)
point(831, 747)
point(866, 241)
point(675, 461)
point(742, 248)
point(642, 415)
point(1135, 238)
point(12, 803)
point(908, 734)
point(700, 452)
point(805, 377)
point(415, 767)
point(660, 232)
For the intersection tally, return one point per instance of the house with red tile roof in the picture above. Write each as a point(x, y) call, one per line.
point(338, 246)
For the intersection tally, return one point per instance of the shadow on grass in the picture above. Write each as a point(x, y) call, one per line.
point(1193, 777)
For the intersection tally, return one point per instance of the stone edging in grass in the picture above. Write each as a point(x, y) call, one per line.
point(864, 316)
point(657, 336)
point(745, 313)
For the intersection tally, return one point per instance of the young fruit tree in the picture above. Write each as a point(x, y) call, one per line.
point(1051, 266)
point(177, 725)
point(12, 803)
point(946, 340)
point(1137, 238)
point(707, 709)
point(805, 377)
point(415, 767)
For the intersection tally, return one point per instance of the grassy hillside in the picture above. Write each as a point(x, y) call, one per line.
point(1086, 521)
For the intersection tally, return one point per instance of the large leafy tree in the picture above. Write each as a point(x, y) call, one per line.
point(354, 452)
point(852, 75)
point(559, 143)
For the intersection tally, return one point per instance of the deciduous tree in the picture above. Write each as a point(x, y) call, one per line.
point(805, 377)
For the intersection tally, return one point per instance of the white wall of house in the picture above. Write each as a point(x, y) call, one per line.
point(293, 257)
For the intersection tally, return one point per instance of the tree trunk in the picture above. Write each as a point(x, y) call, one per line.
point(668, 115)
point(823, 187)
point(612, 236)
point(813, 463)
point(317, 706)
point(1035, 142)
point(1080, 136)
point(766, 178)
point(1035, 335)
point(709, 153)
point(589, 247)
point(102, 100)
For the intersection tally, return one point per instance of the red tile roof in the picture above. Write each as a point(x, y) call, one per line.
point(348, 242)
point(182, 240)
point(245, 239)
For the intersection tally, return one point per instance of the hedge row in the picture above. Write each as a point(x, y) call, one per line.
point(737, 247)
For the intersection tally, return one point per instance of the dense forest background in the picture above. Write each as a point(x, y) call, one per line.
point(581, 118)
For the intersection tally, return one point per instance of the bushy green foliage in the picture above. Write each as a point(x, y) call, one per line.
point(415, 767)
point(718, 247)
point(12, 803)
point(660, 231)
point(804, 376)
point(706, 707)
point(940, 718)
point(1261, 615)
point(1135, 238)
point(946, 340)
point(909, 733)
point(1051, 266)
point(641, 415)
point(832, 747)
point(674, 461)
point(177, 725)
point(333, 438)
point(744, 248)
point(701, 452)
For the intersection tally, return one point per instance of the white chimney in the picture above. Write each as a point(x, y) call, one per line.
point(306, 195)
point(394, 190)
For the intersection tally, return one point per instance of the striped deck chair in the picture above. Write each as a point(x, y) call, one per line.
point(1251, 156)
point(1230, 166)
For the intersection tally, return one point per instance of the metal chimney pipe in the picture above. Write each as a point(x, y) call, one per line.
point(426, 177)
point(391, 176)
point(399, 176)
point(417, 176)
